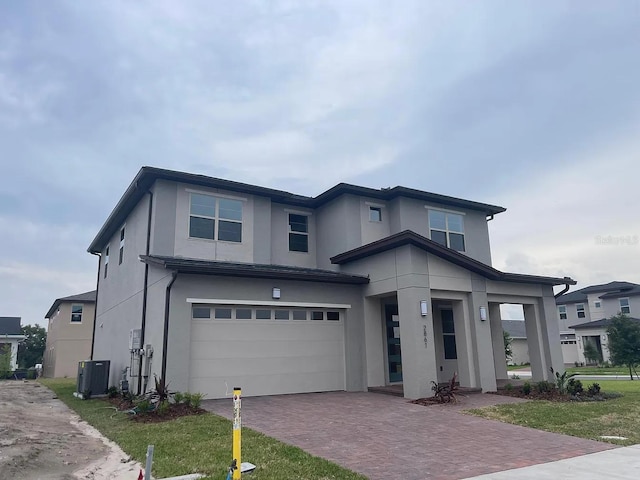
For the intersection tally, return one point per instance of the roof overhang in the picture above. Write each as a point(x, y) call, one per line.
point(249, 270)
point(408, 237)
point(602, 323)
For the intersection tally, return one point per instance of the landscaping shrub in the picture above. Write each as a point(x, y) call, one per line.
point(593, 389)
point(526, 388)
point(196, 400)
point(163, 407)
point(112, 392)
point(574, 387)
point(544, 387)
point(508, 387)
point(178, 397)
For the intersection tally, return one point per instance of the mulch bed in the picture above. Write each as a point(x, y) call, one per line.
point(552, 396)
point(174, 411)
point(428, 401)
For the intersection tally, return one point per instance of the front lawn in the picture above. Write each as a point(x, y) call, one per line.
point(617, 417)
point(599, 370)
point(200, 443)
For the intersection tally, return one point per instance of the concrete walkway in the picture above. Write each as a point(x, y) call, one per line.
point(617, 464)
point(385, 437)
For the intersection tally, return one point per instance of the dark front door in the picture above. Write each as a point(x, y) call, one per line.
point(394, 357)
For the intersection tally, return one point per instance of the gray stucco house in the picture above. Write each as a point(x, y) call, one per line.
point(583, 316)
point(213, 284)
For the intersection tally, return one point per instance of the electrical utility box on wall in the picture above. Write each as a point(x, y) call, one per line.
point(135, 339)
point(93, 378)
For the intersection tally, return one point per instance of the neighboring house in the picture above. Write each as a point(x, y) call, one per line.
point(519, 346)
point(10, 336)
point(69, 334)
point(582, 315)
point(595, 333)
point(212, 284)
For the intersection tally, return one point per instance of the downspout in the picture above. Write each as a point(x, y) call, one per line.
point(563, 291)
point(95, 305)
point(144, 290)
point(165, 337)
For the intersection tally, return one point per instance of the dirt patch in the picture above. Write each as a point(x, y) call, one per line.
point(40, 438)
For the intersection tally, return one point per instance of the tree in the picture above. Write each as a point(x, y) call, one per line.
point(508, 352)
point(624, 342)
point(5, 360)
point(591, 352)
point(31, 349)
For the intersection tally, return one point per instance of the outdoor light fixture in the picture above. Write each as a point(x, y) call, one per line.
point(423, 308)
point(483, 313)
point(275, 293)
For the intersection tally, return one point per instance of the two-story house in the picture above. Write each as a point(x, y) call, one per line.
point(212, 284)
point(69, 334)
point(584, 315)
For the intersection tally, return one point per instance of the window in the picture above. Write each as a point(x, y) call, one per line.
point(76, 313)
point(298, 233)
point(121, 254)
point(375, 214)
point(317, 315)
point(580, 310)
point(299, 314)
point(106, 261)
point(243, 313)
point(263, 314)
point(624, 306)
point(597, 304)
point(282, 314)
point(449, 335)
point(333, 316)
point(447, 229)
point(562, 311)
point(201, 312)
point(222, 313)
point(214, 218)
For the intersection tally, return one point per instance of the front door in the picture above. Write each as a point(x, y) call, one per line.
point(449, 358)
point(394, 357)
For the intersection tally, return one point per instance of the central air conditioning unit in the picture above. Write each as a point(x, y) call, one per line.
point(93, 378)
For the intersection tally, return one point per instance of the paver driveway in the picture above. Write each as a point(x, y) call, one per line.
point(386, 437)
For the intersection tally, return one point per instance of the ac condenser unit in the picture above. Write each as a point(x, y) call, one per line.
point(93, 378)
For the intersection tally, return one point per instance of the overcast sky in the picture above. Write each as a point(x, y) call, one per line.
point(534, 106)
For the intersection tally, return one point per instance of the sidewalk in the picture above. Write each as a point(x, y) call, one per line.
point(617, 464)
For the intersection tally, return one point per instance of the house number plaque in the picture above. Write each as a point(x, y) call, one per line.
point(424, 331)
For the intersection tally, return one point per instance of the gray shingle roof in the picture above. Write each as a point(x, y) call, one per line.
point(602, 323)
point(609, 289)
point(515, 328)
point(10, 326)
point(86, 297)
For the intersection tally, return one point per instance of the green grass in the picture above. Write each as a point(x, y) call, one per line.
point(518, 367)
point(200, 443)
point(599, 370)
point(619, 417)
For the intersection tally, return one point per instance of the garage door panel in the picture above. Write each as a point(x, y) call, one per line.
point(272, 330)
point(256, 349)
point(266, 366)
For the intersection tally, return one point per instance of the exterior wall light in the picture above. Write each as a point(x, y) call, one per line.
point(483, 313)
point(275, 293)
point(423, 308)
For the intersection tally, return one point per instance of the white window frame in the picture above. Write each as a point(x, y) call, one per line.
point(562, 310)
point(578, 310)
point(216, 218)
point(597, 304)
point(375, 208)
point(292, 232)
point(121, 250)
point(72, 314)
point(627, 306)
point(446, 231)
point(106, 261)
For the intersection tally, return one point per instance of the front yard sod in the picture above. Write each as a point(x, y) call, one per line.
point(600, 371)
point(199, 443)
point(616, 417)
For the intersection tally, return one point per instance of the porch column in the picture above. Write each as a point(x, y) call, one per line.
point(464, 345)
point(485, 366)
point(535, 342)
point(419, 366)
point(374, 339)
point(497, 339)
point(550, 331)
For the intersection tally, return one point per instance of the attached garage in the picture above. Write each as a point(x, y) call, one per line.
point(267, 348)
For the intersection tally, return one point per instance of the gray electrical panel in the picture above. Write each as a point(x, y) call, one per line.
point(93, 378)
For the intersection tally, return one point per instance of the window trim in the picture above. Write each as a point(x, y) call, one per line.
point(106, 261)
point(560, 313)
point(291, 232)
point(447, 232)
point(578, 310)
point(597, 304)
point(121, 251)
point(628, 305)
point(216, 218)
point(81, 305)
point(374, 208)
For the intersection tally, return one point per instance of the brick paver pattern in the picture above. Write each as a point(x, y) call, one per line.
point(386, 437)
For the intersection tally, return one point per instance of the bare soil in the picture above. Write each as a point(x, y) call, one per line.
point(41, 439)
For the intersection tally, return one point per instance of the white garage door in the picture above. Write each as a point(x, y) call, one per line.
point(266, 350)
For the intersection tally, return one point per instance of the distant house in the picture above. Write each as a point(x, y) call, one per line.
point(10, 336)
point(583, 316)
point(519, 347)
point(69, 334)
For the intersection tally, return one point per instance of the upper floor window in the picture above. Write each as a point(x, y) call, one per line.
point(215, 218)
point(121, 253)
point(624, 306)
point(76, 313)
point(562, 311)
point(580, 310)
point(298, 233)
point(106, 261)
point(597, 304)
point(375, 214)
point(447, 229)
